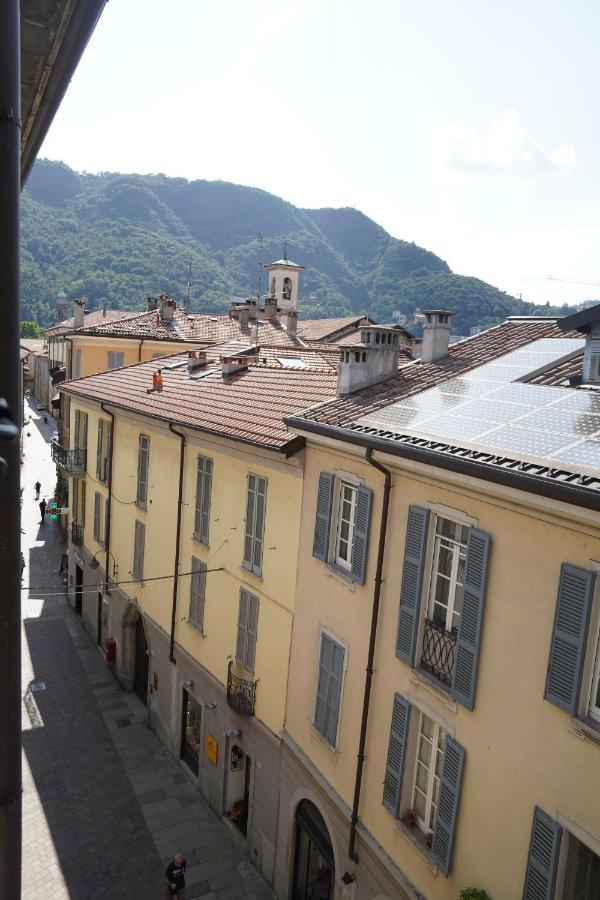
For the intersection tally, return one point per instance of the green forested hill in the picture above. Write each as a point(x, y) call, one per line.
point(123, 237)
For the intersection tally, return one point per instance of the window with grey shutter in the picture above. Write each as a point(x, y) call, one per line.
point(569, 635)
point(255, 523)
point(323, 516)
point(445, 823)
point(329, 686)
point(466, 657)
point(97, 500)
point(542, 859)
point(138, 550)
point(142, 471)
point(82, 501)
point(99, 450)
point(75, 499)
point(247, 630)
point(197, 593)
point(412, 583)
point(77, 429)
point(360, 542)
point(394, 769)
point(203, 493)
point(105, 529)
point(84, 422)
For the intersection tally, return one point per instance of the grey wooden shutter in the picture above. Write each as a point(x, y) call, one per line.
point(412, 583)
point(544, 845)
point(105, 531)
point(197, 592)
point(259, 524)
point(360, 542)
point(97, 516)
point(325, 658)
point(83, 498)
point(392, 784)
point(85, 431)
point(569, 635)
point(445, 823)
point(240, 653)
point(334, 693)
point(323, 516)
point(99, 450)
point(142, 475)
point(251, 633)
point(75, 507)
point(203, 491)
point(249, 531)
point(76, 444)
point(468, 640)
point(138, 550)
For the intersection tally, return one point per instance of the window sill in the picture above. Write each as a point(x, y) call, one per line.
point(586, 729)
point(143, 506)
point(333, 572)
point(198, 540)
point(415, 837)
point(435, 687)
point(196, 628)
point(316, 734)
point(250, 572)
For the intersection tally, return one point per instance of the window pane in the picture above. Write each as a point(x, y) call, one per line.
point(425, 750)
point(420, 805)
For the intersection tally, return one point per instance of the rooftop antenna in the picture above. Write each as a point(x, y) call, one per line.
point(259, 238)
point(285, 243)
point(186, 295)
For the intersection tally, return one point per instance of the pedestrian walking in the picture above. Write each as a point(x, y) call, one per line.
point(38, 487)
point(175, 878)
point(43, 510)
point(22, 565)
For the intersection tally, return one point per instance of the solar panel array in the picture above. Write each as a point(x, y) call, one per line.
point(489, 409)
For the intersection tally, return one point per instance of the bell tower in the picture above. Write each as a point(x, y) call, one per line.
point(62, 311)
point(284, 276)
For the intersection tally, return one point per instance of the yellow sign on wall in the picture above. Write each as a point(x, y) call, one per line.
point(211, 748)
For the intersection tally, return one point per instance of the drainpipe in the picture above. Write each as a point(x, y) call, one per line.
point(140, 349)
point(177, 536)
point(374, 618)
point(109, 486)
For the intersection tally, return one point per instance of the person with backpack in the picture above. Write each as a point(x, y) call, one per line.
point(43, 505)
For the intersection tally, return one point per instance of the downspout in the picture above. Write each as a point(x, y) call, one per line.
point(369, 678)
point(140, 350)
point(177, 536)
point(109, 487)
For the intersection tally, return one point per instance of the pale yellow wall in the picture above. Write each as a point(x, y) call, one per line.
point(89, 477)
point(94, 351)
point(275, 589)
point(520, 751)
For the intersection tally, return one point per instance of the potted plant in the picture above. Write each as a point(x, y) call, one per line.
point(409, 818)
point(472, 893)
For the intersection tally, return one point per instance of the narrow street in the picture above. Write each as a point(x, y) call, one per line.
point(104, 805)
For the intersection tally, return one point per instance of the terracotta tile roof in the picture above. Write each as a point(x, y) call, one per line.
point(91, 318)
point(326, 329)
point(247, 406)
point(32, 344)
point(321, 357)
point(561, 372)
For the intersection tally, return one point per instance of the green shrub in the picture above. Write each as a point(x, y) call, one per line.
point(472, 893)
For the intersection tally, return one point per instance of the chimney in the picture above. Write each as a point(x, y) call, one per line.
point(243, 315)
point(233, 310)
point(78, 313)
point(196, 360)
point(152, 303)
point(292, 322)
point(104, 309)
point(270, 310)
point(372, 360)
point(232, 364)
point(436, 334)
point(167, 307)
point(253, 307)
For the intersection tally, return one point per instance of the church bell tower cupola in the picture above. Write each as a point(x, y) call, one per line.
point(283, 282)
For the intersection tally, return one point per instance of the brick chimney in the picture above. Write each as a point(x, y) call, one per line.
point(196, 361)
point(78, 313)
point(373, 359)
point(243, 315)
point(152, 303)
point(167, 307)
point(270, 310)
point(252, 307)
point(232, 364)
point(104, 309)
point(436, 334)
point(292, 322)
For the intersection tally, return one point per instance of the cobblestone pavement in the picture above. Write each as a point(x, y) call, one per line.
point(104, 805)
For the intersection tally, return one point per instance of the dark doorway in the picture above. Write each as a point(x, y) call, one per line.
point(102, 633)
point(313, 857)
point(190, 733)
point(239, 778)
point(140, 680)
point(78, 590)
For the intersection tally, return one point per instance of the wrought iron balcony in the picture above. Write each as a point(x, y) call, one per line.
point(241, 693)
point(438, 651)
point(74, 461)
point(77, 534)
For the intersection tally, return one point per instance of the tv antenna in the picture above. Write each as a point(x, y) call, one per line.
point(259, 239)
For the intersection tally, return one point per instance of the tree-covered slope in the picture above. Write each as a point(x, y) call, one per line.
point(120, 238)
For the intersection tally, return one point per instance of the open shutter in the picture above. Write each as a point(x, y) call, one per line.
point(251, 632)
point(412, 583)
point(334, 693)
point(97, 499)
point(99, 450)
point(250, 513)
point(85, 429)
point(323, 516)
point(240, 653)
point(392, 784)
point(75, 499)
point(360, 541)
point(540, 876)
point(569, 634)
point(445, 824)
point(76, 444)
point(325, 663)
point(469, 629)
point(83, 491)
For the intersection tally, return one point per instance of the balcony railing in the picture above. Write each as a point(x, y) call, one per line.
point(77, 534)
point(74, 461)
point(241, 693)
point(438, 651)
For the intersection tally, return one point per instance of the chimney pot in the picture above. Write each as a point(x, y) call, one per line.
point(292, 322)
point(152, 303)
point(196, 360)
point(167, 307)
point(436, 334)
point(371, 361)
point(270, 308)
point(243, 315)
point(104, 309)
point(78, 313)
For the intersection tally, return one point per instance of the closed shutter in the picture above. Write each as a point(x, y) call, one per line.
point(329, 687)
point(249, 533)
point(259, 525)
point(445, 824)
point(469, 629)
point(240, 652)
point(544, 845)
point(76, 444)
point(197, 592)
point(569, 635)
point(325, 658)
point(99, 450)
point(138, 551)
point(412, 583)
point(323, 516)
point(142, 475)
point(105, 530)
point(203, 491)
point(84, 417)
point(83, 498)
point(75, 499)
point(97, 499)
point(251, 633)
point(392, 784)
point(360, 542)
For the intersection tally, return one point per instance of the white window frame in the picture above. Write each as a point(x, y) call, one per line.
point(439, 734)
point(433, 568)
point(593, 708)
point(571, 833)
point(340, 484)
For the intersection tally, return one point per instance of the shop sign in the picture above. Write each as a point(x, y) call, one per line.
point(211, 748)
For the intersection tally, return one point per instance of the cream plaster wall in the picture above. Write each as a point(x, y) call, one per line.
point(94, 351)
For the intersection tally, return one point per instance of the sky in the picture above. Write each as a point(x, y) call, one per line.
point(470, 127)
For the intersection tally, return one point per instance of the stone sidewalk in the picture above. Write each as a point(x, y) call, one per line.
point(104, 805)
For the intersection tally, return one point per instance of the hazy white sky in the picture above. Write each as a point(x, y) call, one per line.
point(470, 127)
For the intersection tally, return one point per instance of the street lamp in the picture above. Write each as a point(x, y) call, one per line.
point(94, 563)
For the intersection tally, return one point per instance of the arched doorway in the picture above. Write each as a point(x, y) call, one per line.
point(141, 664)
point(314, 864)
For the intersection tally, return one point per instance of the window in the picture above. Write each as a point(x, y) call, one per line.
point(138, 550)
point(203, 492)
point(115, 359)
point(102, 450)
point(142, 471)
point(594, 705)
point(448, 573)
point(428, 768)
point(582, 872)
point(98, 533)
point(105, 531)
point(255, 523)
point(197, 593)
point(81, 430)
point(77, 372)
point(342, 517)
point(247, 630)
point(82, 503)
point(346, 515)
point(75, 499)
point(329, 688)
